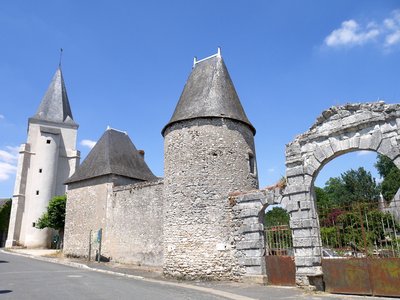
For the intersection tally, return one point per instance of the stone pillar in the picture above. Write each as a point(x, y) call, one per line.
point(18, 201)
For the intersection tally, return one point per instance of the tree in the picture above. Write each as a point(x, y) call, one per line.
point(54, 217)
point(5, 211)
point(322, 197)
point(276, 216)
point(351, 186)
point(391, 176)
point(384, 165)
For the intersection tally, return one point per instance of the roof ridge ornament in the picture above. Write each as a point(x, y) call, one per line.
point(110, 128)
point(59, 62)
point(218, 54)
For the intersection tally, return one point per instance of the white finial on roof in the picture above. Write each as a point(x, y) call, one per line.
point(59, 62)
point(108, 127)
point(218, 54)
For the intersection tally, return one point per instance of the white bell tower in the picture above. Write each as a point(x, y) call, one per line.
point(45, 162)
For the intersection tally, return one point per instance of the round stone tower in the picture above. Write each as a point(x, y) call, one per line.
point(209, 153)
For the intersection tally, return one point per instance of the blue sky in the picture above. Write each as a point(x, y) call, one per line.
point(125, 64)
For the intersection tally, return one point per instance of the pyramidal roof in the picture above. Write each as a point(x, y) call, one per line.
point(209, 92)
point(115, 154)
point(55, 105)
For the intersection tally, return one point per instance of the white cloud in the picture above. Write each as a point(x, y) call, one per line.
point(6, 170)
point(350, 33)
point(385, 33)
point(271, 170)
point(88, 143)
point(364, 153)
point(8, 162)
point(2, 117)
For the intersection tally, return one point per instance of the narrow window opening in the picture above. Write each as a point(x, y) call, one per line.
point(33, 224)
point(251, 163)
point(37, 192)
point(40, 170)
point(48, 141)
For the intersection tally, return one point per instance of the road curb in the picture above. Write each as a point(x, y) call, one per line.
point(135, 277)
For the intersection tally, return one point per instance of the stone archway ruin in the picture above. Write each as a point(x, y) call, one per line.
point(339, 130)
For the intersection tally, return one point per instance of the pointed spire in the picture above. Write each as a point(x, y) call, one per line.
point(115, 154)
point(209, 92)
point(55, 105)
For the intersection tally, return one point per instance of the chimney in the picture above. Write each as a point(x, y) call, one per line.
point(141, 153)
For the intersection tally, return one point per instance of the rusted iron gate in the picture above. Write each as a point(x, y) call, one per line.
point(279, 260)
point(361, 250)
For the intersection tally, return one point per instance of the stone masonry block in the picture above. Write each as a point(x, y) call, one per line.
point(292, 206)
point(319, 154)
point(388, 127)
point(301, 233)
point(253, 270)
point(302, 242)
point(295, 198)
point(295, 189)
point(294, 171)
point(306, 261)
point(250, 197)
point(308, 179)
point(355, 141)
point(308, 147)
point(302, 223)
point(396, 161)
point(251, 212)
point(252, 261)
point(349, 120)
point(253, 252)
point(300, 214)
point(386, 148)
point(295, 180)
point(252, 236)
point(335, 144)
point(327, 149)
point(312, 163)
point(305, 205)
point(252, 228)
point(243, 245)
point(345, 143)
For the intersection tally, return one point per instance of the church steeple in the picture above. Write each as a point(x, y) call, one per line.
point(55, 105)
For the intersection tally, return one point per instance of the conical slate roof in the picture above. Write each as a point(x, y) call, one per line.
point(209, 92)
point(55, 105)
point(115, 154)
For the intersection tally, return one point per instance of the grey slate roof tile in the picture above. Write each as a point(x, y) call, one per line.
point(55, 105)
point(209, 92)
point(115, 154)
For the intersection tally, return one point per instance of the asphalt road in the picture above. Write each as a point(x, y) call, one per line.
point(25, 278)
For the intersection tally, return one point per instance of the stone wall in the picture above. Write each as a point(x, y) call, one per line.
point(134, 232)
point(85, 212)
point(205, 159)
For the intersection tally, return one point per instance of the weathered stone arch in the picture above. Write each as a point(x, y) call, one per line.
point(339, 130)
